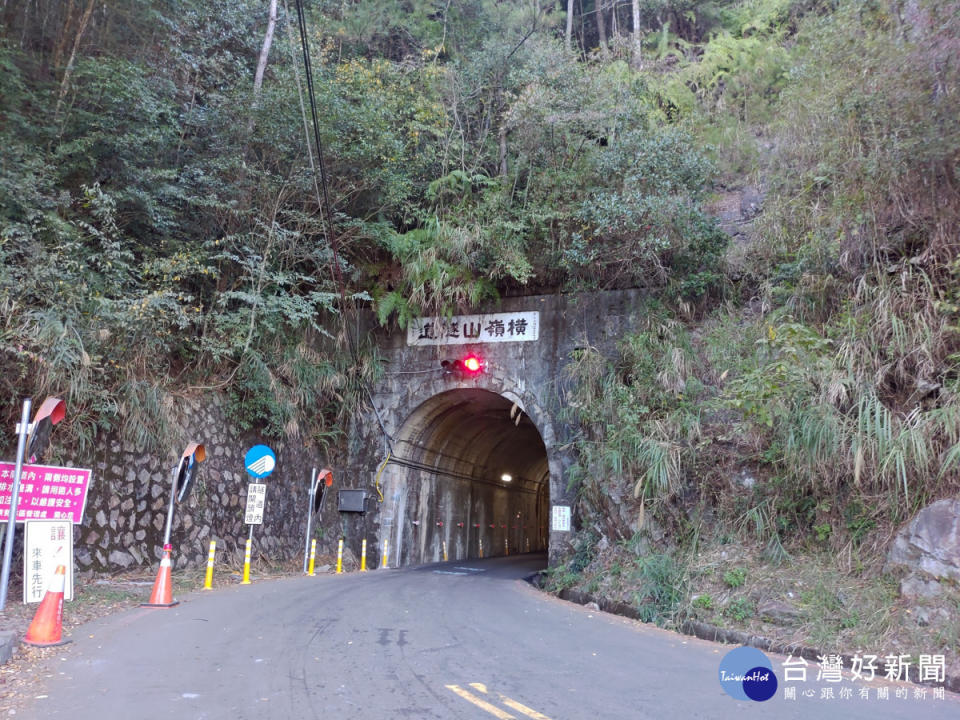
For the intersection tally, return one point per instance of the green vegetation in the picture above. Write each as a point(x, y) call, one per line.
point(740, 609)
point(831, 370)
point(661, 580)
point(735, 577)
point(161, 225)
point(703, 602)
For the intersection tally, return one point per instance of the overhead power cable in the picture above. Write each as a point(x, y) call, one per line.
point(433, 470)
point(311, 96)
point(328, 211)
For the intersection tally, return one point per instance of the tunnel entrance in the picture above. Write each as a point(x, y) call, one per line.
point(469, 473)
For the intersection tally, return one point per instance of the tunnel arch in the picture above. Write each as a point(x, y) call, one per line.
point(444, 483)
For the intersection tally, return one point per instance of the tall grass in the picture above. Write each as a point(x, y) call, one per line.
point(639, 431)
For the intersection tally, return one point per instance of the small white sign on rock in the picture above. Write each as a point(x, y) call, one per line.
point(560, 518)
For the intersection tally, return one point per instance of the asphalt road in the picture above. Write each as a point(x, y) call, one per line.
point(460, 640)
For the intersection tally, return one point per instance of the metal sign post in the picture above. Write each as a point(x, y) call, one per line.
point(173, 496)
point(258, 462)
point(22, 429)
point(256, 500)
point(311, 494)
point(182, 476)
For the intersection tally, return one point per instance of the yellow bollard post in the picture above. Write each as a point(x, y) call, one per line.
point(506, 547)
point(363, 556)
point(383, 562)
point(444, 550)
point(313, 557)
point(528, 544)
point(208, 581)
point(246, 565)
point(340, 557)
point(481, 548)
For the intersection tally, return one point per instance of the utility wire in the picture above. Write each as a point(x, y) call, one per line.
point(328, 211)
point(414, 465)
point(331, 230)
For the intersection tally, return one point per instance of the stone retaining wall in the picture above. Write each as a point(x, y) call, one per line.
point(126, 509)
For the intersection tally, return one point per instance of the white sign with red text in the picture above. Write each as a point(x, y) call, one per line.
point(47, 544)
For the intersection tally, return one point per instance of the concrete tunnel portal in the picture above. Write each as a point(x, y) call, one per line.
point(469, 471)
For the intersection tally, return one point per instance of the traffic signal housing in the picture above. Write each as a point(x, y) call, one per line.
point(469, 365)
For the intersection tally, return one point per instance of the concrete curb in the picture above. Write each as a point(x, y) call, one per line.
point(713, 633)
point(8, 644)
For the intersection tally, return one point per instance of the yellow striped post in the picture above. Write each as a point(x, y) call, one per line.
point(528, 544)
point(383, 562)
point(363, 556)
point(340, 557)
point(246, 565)
point(506, 547)
point(444, 550)
point(208, 581)
point(313, 556)
point(481, 547)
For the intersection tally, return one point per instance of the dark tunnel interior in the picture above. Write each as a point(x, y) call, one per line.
point(468, 478)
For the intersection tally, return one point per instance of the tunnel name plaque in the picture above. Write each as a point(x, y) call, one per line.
point(463, 329)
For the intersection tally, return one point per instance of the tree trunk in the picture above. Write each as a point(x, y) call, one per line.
point(601, 27)
point(265, 50)
point(65, 83)
point(503, 152)
point(62, 42)
point(637, 57)
point(569, 34)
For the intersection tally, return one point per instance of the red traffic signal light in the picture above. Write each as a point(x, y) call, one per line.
point(470, 365)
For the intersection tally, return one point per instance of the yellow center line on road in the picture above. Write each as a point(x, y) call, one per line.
point(482, 704)
point(520, 707)
point(512, 704)
point(493, 709)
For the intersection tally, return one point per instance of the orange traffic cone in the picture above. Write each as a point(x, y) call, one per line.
point(47, 626)
point(162, 596)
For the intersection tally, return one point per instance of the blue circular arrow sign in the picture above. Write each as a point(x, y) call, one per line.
point(260, 461)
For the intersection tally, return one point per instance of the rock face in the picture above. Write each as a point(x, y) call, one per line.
point(779, 613)
point(930, 543)
point(735, 208)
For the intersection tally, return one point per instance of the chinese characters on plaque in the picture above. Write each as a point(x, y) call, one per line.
point(463, 329)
